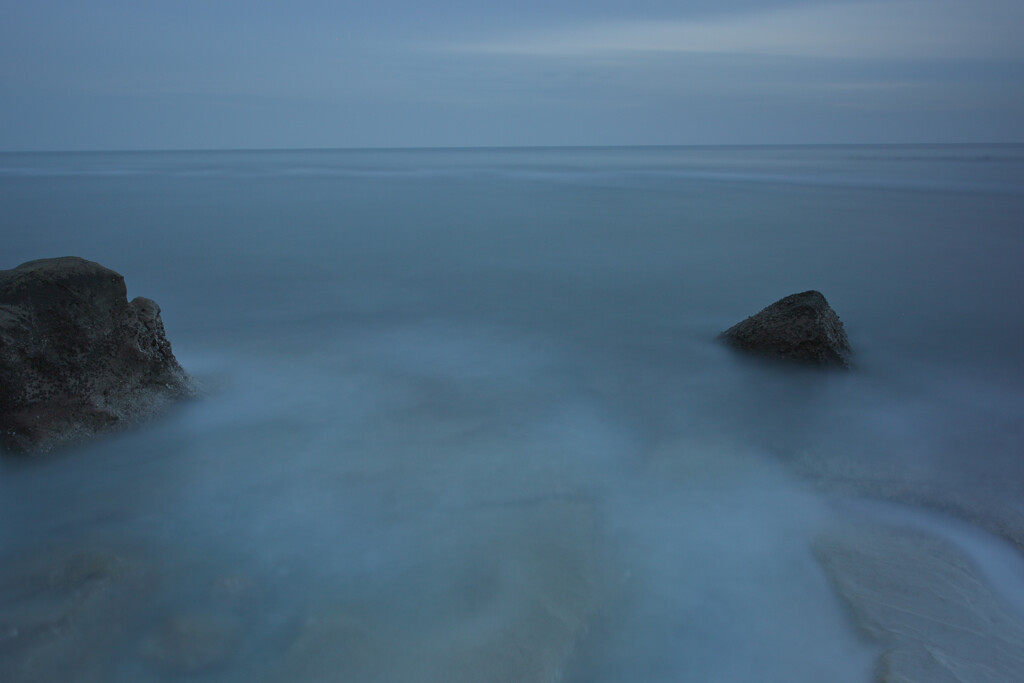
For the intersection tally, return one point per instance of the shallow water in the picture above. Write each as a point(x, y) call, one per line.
point(464, 417)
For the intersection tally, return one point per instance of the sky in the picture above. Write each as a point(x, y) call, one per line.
point(258, 74)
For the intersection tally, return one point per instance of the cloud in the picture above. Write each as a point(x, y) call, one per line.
point(879, 29)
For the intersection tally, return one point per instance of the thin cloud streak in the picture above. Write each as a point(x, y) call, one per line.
point(904, 29)
point(109, 74)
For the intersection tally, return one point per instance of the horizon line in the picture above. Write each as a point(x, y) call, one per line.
point(453, 148)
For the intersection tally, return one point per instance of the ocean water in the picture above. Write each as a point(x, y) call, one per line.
point(463, 418)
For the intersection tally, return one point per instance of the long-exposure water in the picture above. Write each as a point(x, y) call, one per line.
point(463, 417)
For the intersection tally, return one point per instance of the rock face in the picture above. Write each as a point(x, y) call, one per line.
point(801, 328)
point(76, 358)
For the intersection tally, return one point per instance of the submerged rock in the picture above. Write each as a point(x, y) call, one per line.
point(76, 357)
point(513, 606)
point(193, 642)
point(63, 610)
point(922, 599)
point(800, 327)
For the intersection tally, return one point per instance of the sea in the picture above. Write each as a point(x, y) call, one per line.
point(462, 416)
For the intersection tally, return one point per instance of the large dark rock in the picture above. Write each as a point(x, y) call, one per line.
point(76, 358)
point(801, 327)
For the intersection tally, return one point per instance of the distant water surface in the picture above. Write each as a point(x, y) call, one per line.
point(464, 417)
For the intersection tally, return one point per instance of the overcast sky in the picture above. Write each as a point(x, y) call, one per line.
point(198, 74)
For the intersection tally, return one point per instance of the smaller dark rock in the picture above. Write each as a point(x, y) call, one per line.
point(800, 328)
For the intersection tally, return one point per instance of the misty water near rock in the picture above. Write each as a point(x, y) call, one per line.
point(464, 417)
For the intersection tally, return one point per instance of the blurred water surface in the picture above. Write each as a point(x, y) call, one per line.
point(464, 417)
